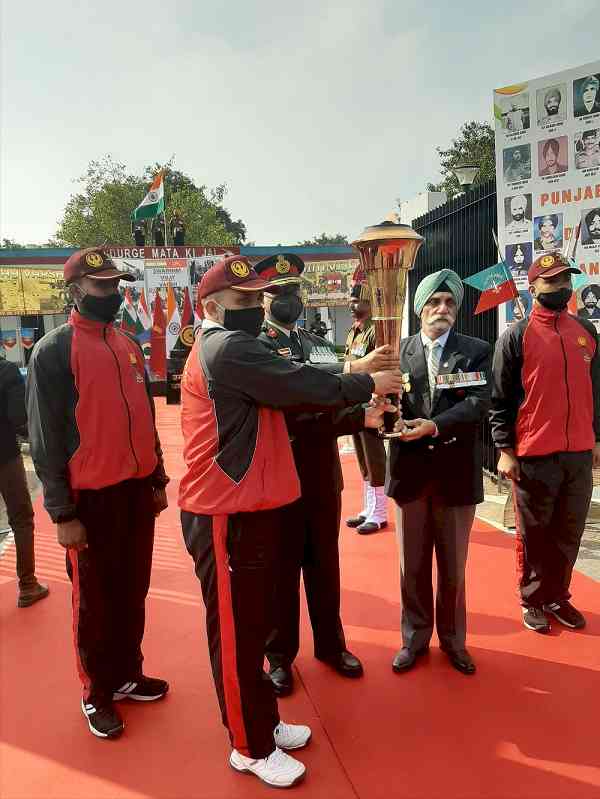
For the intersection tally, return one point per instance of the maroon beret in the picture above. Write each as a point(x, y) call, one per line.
point(549, 265)
point(234, 272)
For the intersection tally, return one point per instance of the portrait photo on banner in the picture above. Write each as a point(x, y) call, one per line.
point(586, 96)
point(518, 258)
point(551, 103)
point(588, 303)
point(590, 227)
point(514, 112)
point(553, 156)
point(548, 232)
point(514, 311)
point(517, 163)
point(586, 145)
point(518, 216)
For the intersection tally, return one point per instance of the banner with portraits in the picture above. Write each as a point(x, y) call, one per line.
point(548, 178)
point(156, 267)
point(327, 283)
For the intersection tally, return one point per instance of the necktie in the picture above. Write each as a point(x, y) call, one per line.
point(433, 364)
point(296, 346)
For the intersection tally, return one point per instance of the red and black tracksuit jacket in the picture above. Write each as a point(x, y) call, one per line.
point(546, 407)
point(239, 470)
point(96, 451)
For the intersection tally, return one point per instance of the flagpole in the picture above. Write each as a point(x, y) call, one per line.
point(165, 207)
point(518, 299)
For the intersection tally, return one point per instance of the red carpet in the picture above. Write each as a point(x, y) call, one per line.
point(525, 726)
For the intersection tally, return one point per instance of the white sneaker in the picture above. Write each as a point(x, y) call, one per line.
point(278, 769)
point(291, 736)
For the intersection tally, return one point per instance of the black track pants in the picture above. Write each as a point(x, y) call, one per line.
point(552, 500)
point(234, 559)
point(110, 582)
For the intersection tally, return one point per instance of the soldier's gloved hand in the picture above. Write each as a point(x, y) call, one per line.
point(380, 360)
point(71, 534)
point(388, 382)
point(374, 412)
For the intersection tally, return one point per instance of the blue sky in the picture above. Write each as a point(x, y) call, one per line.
point(318, 115)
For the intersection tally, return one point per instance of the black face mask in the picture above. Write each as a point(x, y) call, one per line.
point(104, 309)
point(555, 300)
point(248, 320)
point(286, 308)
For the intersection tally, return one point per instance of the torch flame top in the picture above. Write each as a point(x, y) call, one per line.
point(385, 231)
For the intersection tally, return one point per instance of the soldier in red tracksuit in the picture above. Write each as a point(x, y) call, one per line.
point(96, 451)
point(239, 471)
point(546, 423)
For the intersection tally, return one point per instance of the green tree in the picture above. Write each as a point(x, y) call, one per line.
point(324, 240)
point(101, 210)
point(12, 244)
point(474, 145)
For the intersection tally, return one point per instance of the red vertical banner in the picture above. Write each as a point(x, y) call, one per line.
point(158, 356)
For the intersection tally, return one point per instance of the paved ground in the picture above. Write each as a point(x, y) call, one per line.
point(495, 510)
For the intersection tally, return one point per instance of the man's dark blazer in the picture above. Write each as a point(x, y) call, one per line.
point(449, 465)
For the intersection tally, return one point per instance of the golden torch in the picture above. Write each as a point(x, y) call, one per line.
point(387, 254)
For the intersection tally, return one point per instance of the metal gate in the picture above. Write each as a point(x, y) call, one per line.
point(458, 235)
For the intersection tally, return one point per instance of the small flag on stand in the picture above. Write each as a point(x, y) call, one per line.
point(158, 362)
point(496, 285)
point(173, 319)
point(144, 324)
point(154, 202)
point(187, 315)
point(129, 317)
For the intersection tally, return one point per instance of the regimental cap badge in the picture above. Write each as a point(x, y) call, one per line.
point(282, 266)
point(240, 269)
point(547, 261)
point(94, 259)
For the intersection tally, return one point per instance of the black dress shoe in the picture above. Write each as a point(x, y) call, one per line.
point(406, 658)
point(461, 660)
point(345, 663)
point(370, 527)
point(283, 680)
point(355, 521)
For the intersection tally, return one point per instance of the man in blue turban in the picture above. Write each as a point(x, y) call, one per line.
point(435, 474)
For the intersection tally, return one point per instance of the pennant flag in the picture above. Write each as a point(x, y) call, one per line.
point(27, 337)
point(144, 324)
point(173, 319)
point(154, 202)
point(158, 362)
point(496, 285)
point(129, 315)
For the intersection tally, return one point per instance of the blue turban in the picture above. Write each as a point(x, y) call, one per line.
point(430, 284)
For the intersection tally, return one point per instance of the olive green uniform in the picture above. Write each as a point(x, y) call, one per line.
point(369, 447)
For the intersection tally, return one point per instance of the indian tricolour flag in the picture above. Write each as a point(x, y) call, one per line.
point(173, 319)
point(154, 202)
